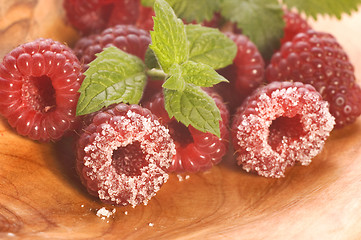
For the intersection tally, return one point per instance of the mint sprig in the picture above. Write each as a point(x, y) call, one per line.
point(190, 67)
point(185, 57)
point(113, 77)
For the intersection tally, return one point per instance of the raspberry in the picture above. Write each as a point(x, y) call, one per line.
point(318, 59)
point(196, 150)
point(92, 16)
point(245, 74)
point(279, 124)
point(125, 37)
point(294, 24)
point(122, 156)
point(39, 81)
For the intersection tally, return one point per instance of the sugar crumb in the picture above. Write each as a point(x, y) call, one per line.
point(181, 178)
point(151, 224)
point(104, 213)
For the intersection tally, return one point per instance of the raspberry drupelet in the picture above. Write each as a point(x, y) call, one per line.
point(196, 151)
point(39, 83)
point(317, 58)
point(295, 24)
point(278, 125)
point(123, 154)
point(125, 37)
point(244, 75)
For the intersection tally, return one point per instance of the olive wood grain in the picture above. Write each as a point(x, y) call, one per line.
point(41, 197)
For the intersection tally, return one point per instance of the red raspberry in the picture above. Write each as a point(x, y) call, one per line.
point(39, 84)
point(279, 124)
point(92, 16)
point(125, 37)
point(196, 150)
point(294, 24)
point(318, 59)
point(123, 154)
point(245, 74)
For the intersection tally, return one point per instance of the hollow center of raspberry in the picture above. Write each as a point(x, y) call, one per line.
point(285, 128)
point(129, 160)
point(180, 133)
point(39, 93)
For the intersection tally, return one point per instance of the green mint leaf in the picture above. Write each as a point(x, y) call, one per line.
point(113, 77)
point(260, 20)
point(176, 80)
point(324, 7)
point(210, 46)
point(191, 10)
point(193, 107)
point(169, 39)
point(201, 74)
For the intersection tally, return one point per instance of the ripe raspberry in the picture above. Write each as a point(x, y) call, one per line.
point(123, 154)
point(318, 59)
point(294, 24)
point(93, 16)
point(245, 74)
point(279, 124)
point(125, 37)
point(39, 84)
point(196, 151)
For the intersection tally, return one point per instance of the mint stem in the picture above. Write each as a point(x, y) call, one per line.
point(156, 74)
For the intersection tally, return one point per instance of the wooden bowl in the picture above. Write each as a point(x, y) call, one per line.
point(42, 198)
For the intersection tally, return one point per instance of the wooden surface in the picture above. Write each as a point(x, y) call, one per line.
point(41, 197)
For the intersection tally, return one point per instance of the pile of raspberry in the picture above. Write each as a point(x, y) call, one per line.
point(273, 115)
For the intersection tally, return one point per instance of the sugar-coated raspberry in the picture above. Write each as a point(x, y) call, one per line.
point(295, 24)
point(125, 37)
point(122, 156)
point(245, 74)
point(196, 150)
point(318, 59)
point(278, 125)
point(39, 83)
point(93, 16)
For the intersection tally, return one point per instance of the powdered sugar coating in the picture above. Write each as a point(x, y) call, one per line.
point(278, 125)
point(117, 129)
